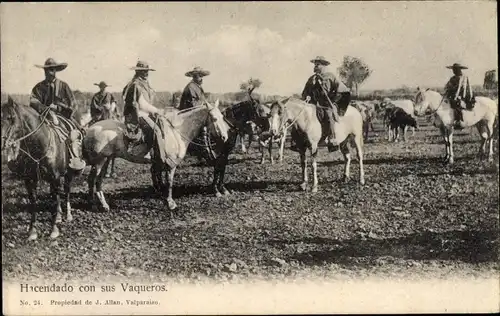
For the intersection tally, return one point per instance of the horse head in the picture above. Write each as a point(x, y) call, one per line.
point(12, 128)
point(216, 122)
point(277, 117)
point(424, 102)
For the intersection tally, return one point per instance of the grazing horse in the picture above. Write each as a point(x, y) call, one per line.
point(483, 116)
point(43, 156)
point(106, 139)
point(308, 132)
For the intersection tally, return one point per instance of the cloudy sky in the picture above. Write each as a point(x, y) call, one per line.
point(405, 43)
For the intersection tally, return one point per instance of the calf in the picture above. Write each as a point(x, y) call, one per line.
point(399, 119)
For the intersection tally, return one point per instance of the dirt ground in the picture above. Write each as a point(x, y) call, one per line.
point(413, 216)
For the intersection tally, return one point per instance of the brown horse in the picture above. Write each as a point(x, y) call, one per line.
point(307, 133)
point(43, 156)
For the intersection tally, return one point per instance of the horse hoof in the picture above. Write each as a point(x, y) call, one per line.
point(58, 219)
point(105, 208)
point(262, 162)
point(171, 205)
point(69, 218)
point(218, 194)
point(362, 181)
point(54, 234)
point(314, 189)
point(33, 236)
point(346, 179)
point(303, 186)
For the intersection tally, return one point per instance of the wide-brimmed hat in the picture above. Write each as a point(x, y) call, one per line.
point(142, 65)
point(199, 71)
point(50, 63)
point(321, 60)
point(456, 66)
point(101, 84)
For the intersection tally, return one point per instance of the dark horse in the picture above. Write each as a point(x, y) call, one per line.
point(237, 117)
point(43, 156)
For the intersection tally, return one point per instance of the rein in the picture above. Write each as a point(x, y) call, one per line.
point(284, 120)
point(183, 136)
point(11, 142)
point(51, 140)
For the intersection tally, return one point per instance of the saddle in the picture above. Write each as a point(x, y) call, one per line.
point(69, 133)
point(323, 119)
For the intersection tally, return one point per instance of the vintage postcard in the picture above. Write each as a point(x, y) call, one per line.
point(249, 157)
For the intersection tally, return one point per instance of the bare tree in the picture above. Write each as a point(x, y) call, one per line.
point(354, 72)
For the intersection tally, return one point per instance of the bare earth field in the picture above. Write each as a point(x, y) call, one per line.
point(415, 216)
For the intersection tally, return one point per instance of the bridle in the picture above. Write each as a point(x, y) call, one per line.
point(10, 143)
point(284, 118)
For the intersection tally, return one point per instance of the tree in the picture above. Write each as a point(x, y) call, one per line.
point(353, 72)
point(247, 88)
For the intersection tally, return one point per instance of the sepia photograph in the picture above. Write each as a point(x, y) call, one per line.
point(249, 157)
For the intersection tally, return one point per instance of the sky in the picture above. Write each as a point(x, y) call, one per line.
point(404, 43)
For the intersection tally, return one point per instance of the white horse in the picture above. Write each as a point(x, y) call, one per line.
point(483, 116)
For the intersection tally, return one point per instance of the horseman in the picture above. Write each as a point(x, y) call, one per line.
point(101, 104)
point(324, 89)
point(193, 95)
point(458, 89)
point(138, 109)
point(56, 95)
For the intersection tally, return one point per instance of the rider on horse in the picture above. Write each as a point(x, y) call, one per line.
point(138, 110)
point(193, 95)
point(458, 89)
point(314, 92)
point(56, 95)
point(100, 105)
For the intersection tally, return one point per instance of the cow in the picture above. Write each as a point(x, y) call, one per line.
point(398, 119)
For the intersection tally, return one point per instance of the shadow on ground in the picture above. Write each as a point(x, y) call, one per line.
point(465, 246)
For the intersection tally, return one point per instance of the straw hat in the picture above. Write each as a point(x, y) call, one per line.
point(142, 65)
point(321, 60)
point(50, 63)
point(199, 71)
point(102, 84)
point(456, 66)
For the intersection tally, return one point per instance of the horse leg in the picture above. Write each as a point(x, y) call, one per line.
point(110, 172)
point(242, 142)
point(250, 139)
point(31, 187)
point(282, 146)
point(156, 176)
point(314, 154)
point(359, 152)
point(444, 132)
point(215, 182)
point(262, 151)
point(405, 130)
point(57, 185)
point(100, 177)
point(347, 157)
point(91, 183)
point(222, 187)
point(68, 178)
point(303, 165)
point(170, 184)
point(270, 149)
point(450, 146)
